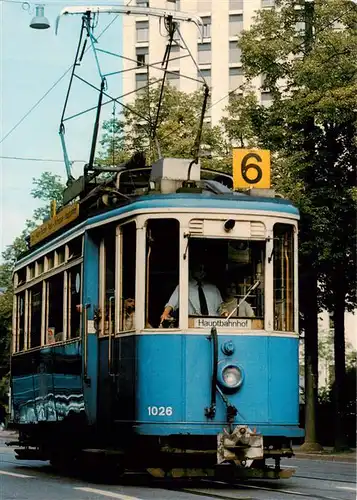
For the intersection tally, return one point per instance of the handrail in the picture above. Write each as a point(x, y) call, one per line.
point(110, 336)
point(85, 341)
point(210, 411)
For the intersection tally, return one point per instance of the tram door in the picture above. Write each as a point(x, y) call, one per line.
point(106, 321)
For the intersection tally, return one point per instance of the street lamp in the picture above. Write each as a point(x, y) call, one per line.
point(39, 22)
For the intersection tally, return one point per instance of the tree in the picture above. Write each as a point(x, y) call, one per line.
point(311, 127)
point(177, 127)
point(47, 187)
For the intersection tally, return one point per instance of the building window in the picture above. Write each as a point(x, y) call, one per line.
point(235, 24)
point(174, 79)
point(235, 4)
point(174, 55)
point(234, 53)
point(204, 53)
point(142, 55)
point(141, 81)
point(173, 4)
point(205, 73)
point(142, 31)
point(266, 99)
point(268, 3)
point(206, 27)
point(235, 79)
point(204, 5)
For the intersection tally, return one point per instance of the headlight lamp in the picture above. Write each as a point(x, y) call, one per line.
point(231, 377)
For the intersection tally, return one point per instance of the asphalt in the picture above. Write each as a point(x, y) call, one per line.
point(326, 454)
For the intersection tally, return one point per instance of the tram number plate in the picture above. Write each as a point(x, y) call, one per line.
point(160, 411)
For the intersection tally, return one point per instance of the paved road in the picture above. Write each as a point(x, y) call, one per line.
point(314, 479)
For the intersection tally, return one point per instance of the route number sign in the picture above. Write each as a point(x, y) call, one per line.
point(251, 168)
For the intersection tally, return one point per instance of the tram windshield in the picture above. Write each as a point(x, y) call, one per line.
point(226, 278)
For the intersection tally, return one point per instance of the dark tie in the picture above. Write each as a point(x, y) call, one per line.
point(203, 301)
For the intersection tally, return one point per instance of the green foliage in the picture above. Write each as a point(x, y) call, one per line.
point(177, 128)
point(47, 187)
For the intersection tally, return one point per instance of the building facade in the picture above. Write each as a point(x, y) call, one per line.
point(216, 54)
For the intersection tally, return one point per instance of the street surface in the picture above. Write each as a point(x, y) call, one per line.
point(320, 479)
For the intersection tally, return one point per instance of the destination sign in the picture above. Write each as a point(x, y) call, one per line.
point(231, 323)
point(64, 217)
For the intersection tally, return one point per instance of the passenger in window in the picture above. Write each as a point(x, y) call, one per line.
point(231, 302)
point(204, 298)
point(129, 314)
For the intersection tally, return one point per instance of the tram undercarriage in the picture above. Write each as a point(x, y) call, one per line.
point(239, 453)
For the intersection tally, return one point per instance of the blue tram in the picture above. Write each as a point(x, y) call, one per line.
point(157, 326)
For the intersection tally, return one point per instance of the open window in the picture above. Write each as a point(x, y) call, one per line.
point(74, 301)
point(162, 269)
point(284, 277)
point(54, 295)
point(226, 280)
point(20, 322)
point(35, 326)
point(107, 280)
point(128, 278)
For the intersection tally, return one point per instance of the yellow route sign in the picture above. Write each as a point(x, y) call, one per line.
point(251, 168)
point(61, 219)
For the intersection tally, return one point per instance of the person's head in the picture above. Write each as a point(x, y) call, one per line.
point(231, 289)
point(197, 271)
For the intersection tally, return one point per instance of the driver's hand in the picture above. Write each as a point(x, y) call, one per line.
point(166, 314)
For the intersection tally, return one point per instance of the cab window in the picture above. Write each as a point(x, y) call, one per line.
point(162, 270)
point(226, 280)
point(128, 268)
point(283, 277)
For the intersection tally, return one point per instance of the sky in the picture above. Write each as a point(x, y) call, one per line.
point(31, 62)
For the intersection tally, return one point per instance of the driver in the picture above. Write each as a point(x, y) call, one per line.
point(204, 298)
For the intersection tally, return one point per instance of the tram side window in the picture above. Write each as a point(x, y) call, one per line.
point(283, 277)
point(55, 308)
point(35, 315)
point(162, 268)
point(128, 268)
point(74, 300)
point(109, 283)
point(20, 323)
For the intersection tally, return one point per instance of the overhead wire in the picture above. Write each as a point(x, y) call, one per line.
point(22, 158)
point(53, 86)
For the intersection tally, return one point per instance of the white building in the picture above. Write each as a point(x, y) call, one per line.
point(217, 54)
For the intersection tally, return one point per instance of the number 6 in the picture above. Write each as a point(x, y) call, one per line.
point(245, 167)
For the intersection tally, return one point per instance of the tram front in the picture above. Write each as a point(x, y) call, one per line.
point(217, 353)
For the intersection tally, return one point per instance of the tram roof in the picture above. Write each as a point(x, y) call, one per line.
point(151, 202)
point(229, 201)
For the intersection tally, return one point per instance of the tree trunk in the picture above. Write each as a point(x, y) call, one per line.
point(310, 313)
point(340, 363)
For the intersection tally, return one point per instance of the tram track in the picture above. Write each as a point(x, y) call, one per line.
point(202, 487)
point(199, 491)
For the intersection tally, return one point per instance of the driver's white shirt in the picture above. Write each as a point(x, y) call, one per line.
point(212, 294)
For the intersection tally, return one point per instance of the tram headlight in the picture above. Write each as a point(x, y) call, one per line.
point(231, 377)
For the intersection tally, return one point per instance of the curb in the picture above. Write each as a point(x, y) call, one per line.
point(326, 457)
